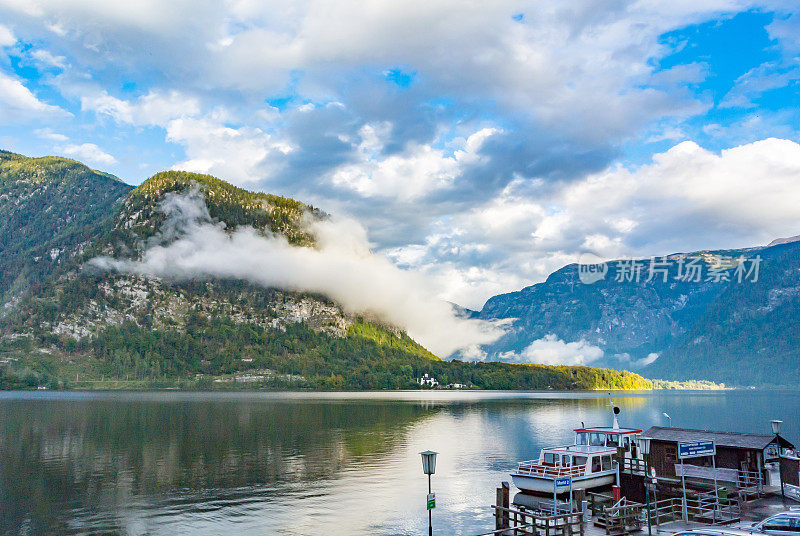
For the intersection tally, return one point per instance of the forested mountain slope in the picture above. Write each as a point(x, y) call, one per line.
point(79, 326)
point(50, 209)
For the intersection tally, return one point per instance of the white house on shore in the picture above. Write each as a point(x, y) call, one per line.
point(428, 381)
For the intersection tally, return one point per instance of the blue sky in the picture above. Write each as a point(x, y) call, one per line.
point(483, 145)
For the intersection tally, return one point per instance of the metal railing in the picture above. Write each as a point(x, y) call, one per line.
point(704, 508)
point(622, 517)
point(524, 522)
point(535, 468)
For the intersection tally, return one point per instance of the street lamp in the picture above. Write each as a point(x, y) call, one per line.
point(668, 417)
point(644, 444)
point(429, 467)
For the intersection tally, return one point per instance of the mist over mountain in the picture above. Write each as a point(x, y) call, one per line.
point(189, 281)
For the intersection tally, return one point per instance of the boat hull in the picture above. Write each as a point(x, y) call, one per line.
point(544, 485)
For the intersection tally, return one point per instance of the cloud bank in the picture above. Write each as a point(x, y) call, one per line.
point(550, 350)
point(341, 266)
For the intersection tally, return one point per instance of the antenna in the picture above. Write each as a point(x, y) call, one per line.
point(615, 412)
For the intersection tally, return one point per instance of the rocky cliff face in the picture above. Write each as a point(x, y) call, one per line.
point(674, 324)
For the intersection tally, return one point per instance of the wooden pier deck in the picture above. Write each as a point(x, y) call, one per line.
point(624, 518)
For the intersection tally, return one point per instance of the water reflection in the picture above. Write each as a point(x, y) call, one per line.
point(300, 464)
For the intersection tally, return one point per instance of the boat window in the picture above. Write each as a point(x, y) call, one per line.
point(606, 463)
point(612, 440)
point(595, 464)
point(579, 460)
point(596, 440)
point(626, 442)
point(582, 438)
point(565, 460)
point(549, 457)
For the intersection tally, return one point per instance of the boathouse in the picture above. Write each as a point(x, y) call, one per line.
point(741, 458)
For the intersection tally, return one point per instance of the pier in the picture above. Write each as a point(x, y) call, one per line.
point(604, 517)
point(668, 480)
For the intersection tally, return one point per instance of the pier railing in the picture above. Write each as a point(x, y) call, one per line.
point(534, 468)
point(704, 508)
point(523, 522)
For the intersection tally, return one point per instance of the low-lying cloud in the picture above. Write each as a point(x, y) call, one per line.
point(340, 266)
point(550, 350)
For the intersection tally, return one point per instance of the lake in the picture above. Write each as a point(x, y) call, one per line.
point(305, 463)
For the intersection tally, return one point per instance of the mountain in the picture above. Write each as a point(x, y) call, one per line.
point(737, 322)
point(67, 323)
point(50, 208)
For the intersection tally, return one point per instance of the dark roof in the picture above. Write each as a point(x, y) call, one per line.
point(722, 439)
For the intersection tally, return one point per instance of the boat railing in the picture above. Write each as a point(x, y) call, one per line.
point(537, 468)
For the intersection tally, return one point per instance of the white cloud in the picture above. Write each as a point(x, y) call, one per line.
point(588, 70)
point(341, 266)
point(49, 134)
point(417, 171)
point(242, 155)
point(550, 350)
point(7, 37)
point(628, 361)
point(18, 103)
point(155, 108)
point(88, 152)
point(46, 58)
point(686, 199)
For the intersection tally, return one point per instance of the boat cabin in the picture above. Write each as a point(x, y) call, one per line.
point(609, 437)
point(593, 452)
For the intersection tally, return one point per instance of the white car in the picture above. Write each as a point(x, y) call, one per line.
point(716, 531)
point(780, 524)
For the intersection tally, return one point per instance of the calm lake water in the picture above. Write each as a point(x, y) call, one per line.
point(302, 464)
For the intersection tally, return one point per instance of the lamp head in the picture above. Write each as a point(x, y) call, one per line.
point(776, 426)
point(428, 462)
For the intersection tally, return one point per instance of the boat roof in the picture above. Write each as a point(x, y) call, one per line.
point(609, 430)
point(581, 449)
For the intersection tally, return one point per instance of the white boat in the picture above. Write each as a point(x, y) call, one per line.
point(587, 464)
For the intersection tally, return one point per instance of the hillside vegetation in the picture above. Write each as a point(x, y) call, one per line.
point(84, 328)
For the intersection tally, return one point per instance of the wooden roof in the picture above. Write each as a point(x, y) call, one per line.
point(722, 439)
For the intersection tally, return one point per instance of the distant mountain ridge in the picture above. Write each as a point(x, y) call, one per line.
point(66, 323)
point(788, 240)
point(717, 328)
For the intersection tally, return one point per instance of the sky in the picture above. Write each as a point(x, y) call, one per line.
point(483, 144)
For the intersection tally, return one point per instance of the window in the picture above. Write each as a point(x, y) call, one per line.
point(595, 464)
point(612, 440)
point(606, 463)
point(579, 460)
point(782, 523)
point(596, 440)
point(582, 438)
point(565, 460)
point(626, 442)
point(551, 458)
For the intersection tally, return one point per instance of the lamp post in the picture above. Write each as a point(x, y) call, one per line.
point(668, 418)
point(644, 443)
point(429, 467)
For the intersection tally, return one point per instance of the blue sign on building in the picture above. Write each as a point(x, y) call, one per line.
point(564, 482)
point(695, 449)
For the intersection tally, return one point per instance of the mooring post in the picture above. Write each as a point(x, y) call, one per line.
point(580, 499)
point(498, 513)
point(506, 503)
